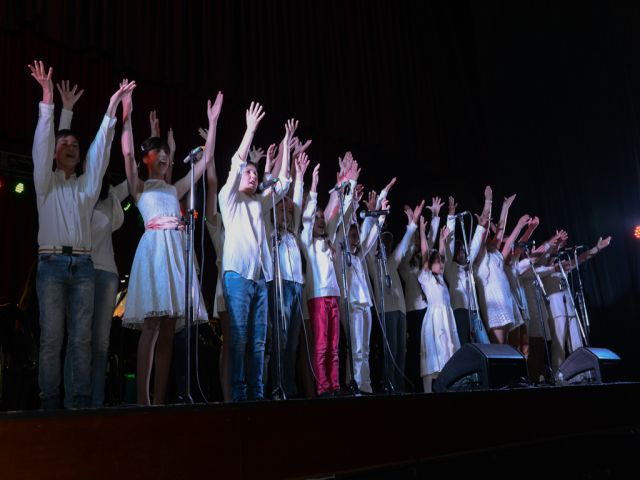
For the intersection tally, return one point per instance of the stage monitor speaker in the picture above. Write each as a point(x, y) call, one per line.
point(590, 365)
point(478, 366)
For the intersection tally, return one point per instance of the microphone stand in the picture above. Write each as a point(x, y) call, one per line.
point(472, 294)
point(579, 295)
point(277, 392)
point(573, 305)
point(189, 220)
point(541, 295)
point(383, 281)
point(346, 262)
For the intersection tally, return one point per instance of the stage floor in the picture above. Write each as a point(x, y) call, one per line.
point(343, 437)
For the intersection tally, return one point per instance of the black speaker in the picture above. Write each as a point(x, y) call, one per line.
point(590, 365)
point(478, 366)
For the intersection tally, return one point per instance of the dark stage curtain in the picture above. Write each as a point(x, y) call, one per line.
point(537, 98)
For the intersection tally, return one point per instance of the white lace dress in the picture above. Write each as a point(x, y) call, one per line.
point(156, 282)
point(497, 305)
point(439, 337)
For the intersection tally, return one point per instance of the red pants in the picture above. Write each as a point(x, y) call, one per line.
point(325, 320)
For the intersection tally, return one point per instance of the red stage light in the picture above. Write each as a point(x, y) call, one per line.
point(636, 232)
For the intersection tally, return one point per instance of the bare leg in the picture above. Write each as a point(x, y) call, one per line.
point(499, 334)
point(146, 346)
point(164, 352)
point(225, 371)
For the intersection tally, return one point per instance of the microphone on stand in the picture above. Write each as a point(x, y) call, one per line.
point(373, 213)
point(525, 244)
point(338, 186)
point(575, 247)
point(268, 183)
point(462, 214)
point(193, 153)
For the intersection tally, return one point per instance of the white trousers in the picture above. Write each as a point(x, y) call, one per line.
point(360, 321)
point(564, 327)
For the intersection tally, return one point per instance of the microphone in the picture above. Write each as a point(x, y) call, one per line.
point(462, 214)
point(575, 247)
point(193, 153)
point(373, 213)
point(338, 186)
point(525, 244)
point(268, 183)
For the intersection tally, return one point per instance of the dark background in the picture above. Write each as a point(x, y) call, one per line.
point(542, 99)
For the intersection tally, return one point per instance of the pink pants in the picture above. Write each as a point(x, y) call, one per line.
point(325, 320)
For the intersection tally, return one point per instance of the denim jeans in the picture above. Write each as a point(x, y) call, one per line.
point(289, 334)
point(65, 283)
point(104, 302)
point(247, 304)
point(396, 323)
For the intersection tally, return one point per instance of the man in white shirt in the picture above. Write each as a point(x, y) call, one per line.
point(65, 278)
point(246, 263)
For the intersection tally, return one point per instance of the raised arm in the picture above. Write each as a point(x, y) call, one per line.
point(308, 216)
point(69, 97)
point(213, 113)
point(511, 239)
point(483, 226)
point(442, 248)
point(436, 205)
point(126, 140)
point(451, 225)
point(301, 165)
point(43, 140)
point(253, 116)
point(601, 244)
point(403, 246)
point(504, 213)
point(424, 247)
point(209, 152)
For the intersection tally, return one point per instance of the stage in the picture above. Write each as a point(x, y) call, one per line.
point(577, 431)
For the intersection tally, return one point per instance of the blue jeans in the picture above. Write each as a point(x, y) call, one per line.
point(289, 334)
point(64, 284)
point(104, 303)
point(246, 302)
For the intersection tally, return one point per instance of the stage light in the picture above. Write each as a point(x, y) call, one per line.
point(19, 187)
point(636, 232)
point(127, 206)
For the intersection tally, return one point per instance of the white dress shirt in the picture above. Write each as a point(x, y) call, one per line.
point(457, 275)
point(246, 245)
point(65, 205)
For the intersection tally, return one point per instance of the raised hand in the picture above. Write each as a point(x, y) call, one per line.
point(523, 221)
point(353, 173)
point(301, 164)
point(43, 77)
point(534, 222)
point(171, 141)
point(154, 124)
point(68, 95)
point(254, 115)
point(301, 148)
point(603, 243)
point(417, 212)
point(122, 94)
point(315, 177)
point(371, 201)
point(272, 152)
point(390, 184)
point(423, 225)
point(444, 233)
point(213, 110)
point(255, 155)
point(508, 201)
point(488, 193)
point(385, 204)
point(452, 205)
point(436, 205)
point(290, 128)
point(203, 132)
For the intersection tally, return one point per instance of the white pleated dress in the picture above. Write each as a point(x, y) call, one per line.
point(156, 282)
point(439, 337)
point(497, 304)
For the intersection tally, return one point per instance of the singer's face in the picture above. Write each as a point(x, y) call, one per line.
point(157, 162)
point(319, 225)
point(460, 256)
point(67, 153)
point(436, 267)
point(249, 181)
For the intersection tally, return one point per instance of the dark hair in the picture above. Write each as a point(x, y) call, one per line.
point(434, 256)
point(151, 143)
point(154, 143)
point(65, 132)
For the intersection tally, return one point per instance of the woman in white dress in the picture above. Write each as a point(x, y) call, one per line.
point(156, 284)
point(497, 305)
point(439, 333)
